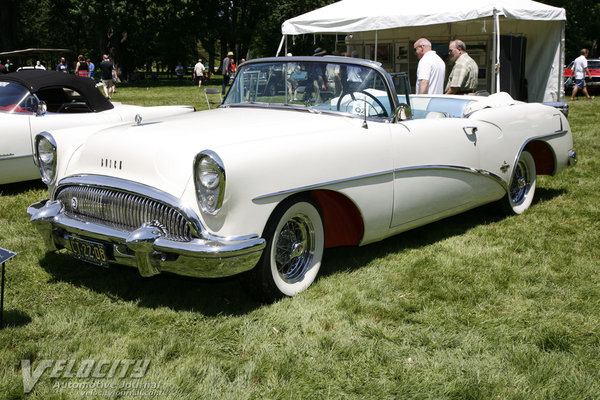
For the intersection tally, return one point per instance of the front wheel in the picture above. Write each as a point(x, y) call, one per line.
point(522, 185)
point(291, 260)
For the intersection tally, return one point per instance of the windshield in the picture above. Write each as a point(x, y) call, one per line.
point(15, 98)
point(315, 85)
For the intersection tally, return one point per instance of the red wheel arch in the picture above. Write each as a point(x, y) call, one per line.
point(341, 219)
point(543, 156)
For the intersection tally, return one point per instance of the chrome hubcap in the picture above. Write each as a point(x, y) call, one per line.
point(520, 183)
point(295, 247)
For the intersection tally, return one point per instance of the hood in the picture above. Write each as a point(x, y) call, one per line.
point(160, 154)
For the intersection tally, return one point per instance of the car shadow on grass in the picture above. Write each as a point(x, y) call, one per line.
point(15, 319)
point(226, 296)
point(13, 189)
point(351, 258)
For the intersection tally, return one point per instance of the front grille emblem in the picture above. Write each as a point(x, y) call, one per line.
point(74, 203)
point(138, 119)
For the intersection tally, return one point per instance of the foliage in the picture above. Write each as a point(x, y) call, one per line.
point(162, 33)
point(582, 26)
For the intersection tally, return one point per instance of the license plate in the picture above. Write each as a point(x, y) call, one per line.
point(91, 252)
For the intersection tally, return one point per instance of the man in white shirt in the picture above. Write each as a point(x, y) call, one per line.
point(199, 72)
point(431, 69)
point(580, 67)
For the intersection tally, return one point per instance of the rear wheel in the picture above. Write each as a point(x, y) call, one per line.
point(291, 260)
point(522, 186)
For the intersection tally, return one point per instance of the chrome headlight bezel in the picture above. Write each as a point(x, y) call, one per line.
point(209, 181)
point(45, 157)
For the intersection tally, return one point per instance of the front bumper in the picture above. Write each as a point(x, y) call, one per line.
point(146, 249)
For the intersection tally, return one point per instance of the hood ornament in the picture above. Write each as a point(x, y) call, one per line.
point(138, 119)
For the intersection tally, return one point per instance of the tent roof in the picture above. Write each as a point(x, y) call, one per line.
point(360, 15)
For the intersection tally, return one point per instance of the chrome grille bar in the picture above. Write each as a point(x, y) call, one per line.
point(122, 210)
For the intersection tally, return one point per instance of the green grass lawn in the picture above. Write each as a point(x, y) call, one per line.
point(476, 306)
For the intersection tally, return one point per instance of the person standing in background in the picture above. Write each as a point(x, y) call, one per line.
point(81, 69)
point(199, 71)
point(62, 66)
point(464, 75)
point(91, 68)
point(108, 76)
point(580, 68)
point(8, 66)
point(226, 70)
point(431, 69)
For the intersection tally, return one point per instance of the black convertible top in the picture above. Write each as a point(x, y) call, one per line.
point(35, 80)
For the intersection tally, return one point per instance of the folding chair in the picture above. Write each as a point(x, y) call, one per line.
point(212, 91)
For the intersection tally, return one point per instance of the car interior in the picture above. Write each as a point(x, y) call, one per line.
point(63, 100)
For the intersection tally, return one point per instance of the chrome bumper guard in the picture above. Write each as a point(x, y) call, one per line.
point(146, 249)
point(572, 158)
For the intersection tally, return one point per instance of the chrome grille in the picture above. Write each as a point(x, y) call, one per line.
point(124, 211)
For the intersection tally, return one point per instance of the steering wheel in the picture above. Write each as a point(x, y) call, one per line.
point(359, 110)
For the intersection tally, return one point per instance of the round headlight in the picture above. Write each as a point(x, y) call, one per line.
point(209, 173)
point(45, 155)
point(209, 179)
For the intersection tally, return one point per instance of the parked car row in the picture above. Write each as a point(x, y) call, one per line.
point(309, 160)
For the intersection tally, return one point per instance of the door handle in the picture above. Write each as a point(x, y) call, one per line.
point(471, 132)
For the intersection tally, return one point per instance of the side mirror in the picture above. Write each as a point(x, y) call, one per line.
point(402, 112)
point(41, 109)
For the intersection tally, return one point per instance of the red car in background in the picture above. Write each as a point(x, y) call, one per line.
point(593, 66)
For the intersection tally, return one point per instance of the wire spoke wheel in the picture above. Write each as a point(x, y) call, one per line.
point(295, 248)
point(292, 257)
point(522, 185)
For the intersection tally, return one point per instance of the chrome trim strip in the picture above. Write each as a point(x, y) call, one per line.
point(318, 185)
point(498, 179)
point(134, 188)
point(13, 157)
point(470, 170)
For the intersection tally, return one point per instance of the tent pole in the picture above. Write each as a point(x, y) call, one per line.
point(561, 60)
point(496, 50)
point(375, 50)
point(283, 39)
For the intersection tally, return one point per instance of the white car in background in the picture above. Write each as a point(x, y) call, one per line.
point(262, 185)
point(32, 101)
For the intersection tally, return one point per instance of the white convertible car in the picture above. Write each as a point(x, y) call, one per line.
point(304, 154)
point(32, 101)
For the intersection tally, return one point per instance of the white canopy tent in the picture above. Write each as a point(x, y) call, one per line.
point(381, 20)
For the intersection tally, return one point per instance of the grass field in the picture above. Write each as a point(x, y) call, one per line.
point(472, 307)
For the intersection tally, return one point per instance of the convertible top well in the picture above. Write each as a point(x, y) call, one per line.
point(36, 80)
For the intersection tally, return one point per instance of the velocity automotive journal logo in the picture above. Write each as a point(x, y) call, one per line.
point(100, 372)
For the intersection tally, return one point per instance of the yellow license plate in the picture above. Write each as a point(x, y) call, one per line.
point(91, 252)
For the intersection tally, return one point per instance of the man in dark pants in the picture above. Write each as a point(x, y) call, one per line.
point(227, 70)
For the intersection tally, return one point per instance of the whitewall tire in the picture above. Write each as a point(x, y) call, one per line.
point(292, 257)
point(521, 188)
